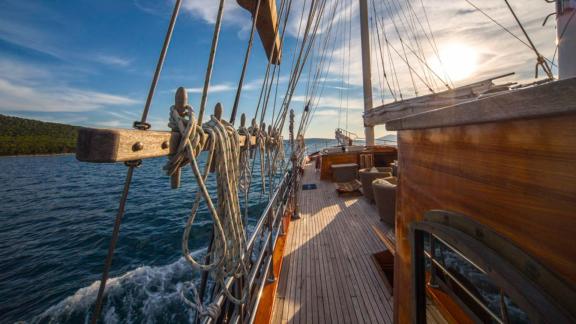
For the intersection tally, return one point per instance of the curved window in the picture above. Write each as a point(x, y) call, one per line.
point(488, 278)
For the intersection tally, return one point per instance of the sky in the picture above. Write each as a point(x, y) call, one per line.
point(90, 63)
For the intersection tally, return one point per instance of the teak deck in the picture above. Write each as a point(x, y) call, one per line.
point(328, 273)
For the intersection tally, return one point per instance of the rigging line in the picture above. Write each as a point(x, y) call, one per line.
point(409, 26)
point(375, 51)
point(423, 61)
point(276, 92)
point(263, 114)
point(381, 54)
point(267, 74)
point(133, 164)
point(404, 51)
point(160, 63)
point(349, 60)
point(323, 72)
point(402, 42)
point(562, 35)
point(405, 59)
point(539, 56)
point(307, 54)
point(313, 106)
point(430, 38)
point(341, 90)
point(323, 56)
point(417, 36)
point(112, 246)
point(500, 25)
point(265, 85)
point(390, 58)
point(211, 59)
point(410, 67)
point(279, 124)
point(310, 77)
point(300, 63)
point(301, 41)
point(276, 67)
point(245, 65)
point(435, 45)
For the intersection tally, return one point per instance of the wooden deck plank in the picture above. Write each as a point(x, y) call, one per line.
point(329, 275)
point(357, 266)
point(380, 294)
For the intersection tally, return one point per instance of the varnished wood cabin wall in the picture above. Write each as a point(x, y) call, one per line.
point(517, 177)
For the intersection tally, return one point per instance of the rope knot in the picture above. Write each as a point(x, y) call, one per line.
point(192, 137)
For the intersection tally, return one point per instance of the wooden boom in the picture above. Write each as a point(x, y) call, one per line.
point(120, 145)
point(266, 26)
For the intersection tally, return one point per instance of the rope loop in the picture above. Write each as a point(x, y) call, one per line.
point(229, 248)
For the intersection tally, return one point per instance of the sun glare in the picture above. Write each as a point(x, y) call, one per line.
point(457, 60)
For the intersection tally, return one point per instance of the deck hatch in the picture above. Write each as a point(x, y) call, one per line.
point(309, 186)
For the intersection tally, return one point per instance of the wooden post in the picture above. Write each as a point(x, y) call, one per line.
point(366, 68)
point(180, 103)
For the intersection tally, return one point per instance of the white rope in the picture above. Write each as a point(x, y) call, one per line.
point(245, 168)
point(229, 247)
point(261, 143)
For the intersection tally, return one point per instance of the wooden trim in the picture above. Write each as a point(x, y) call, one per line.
point(120, 145)
point(449, 309)
point(549, 99)
point(385, 239)
point(266, 306)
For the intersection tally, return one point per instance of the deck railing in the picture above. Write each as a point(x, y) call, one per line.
point(267, 230)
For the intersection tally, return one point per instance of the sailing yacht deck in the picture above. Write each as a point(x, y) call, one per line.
point(328, 273)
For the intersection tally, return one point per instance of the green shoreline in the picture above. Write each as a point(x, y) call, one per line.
point(35, 155)
point(27, 137)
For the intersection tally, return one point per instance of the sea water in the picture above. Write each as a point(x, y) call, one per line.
point(56, 218)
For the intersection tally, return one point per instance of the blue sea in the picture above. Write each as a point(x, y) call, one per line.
point(56, 218)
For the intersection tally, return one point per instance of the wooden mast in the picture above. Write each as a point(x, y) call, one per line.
point(366, 69)
point(566, 38)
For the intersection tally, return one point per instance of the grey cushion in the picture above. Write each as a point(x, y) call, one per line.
point(385, 197)
point(367, 176)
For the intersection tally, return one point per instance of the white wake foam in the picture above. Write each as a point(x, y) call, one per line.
point(144, 295)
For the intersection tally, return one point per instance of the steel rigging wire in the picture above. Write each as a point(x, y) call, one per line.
point(143, 125)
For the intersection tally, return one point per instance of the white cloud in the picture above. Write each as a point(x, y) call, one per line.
point(55, 99)
point(208, 10)
point(327, 101)
point(112, 60)
point(224, 87)
point(25, 87)
point(252, 85)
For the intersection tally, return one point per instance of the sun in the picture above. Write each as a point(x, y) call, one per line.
point(459, 61)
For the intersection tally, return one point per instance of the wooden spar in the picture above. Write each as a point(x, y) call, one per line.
point(120, 145)
point(366, 69)
point(553, 98)
point(266, 26)
point(382, 114)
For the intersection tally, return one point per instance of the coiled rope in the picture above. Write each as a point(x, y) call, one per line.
point(229, 249)
point(245, 166)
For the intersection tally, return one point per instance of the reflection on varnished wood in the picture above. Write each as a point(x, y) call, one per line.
point(517, 177)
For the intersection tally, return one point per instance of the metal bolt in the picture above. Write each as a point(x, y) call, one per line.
point(138, 146)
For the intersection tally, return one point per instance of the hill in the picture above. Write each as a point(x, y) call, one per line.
point(19, 136)
point(387, 138)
